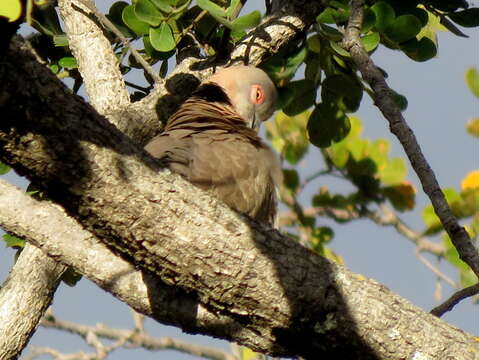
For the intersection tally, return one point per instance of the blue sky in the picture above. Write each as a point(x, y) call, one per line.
point(440, 105)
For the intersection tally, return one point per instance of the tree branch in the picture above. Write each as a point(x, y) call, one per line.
point(455, 299)
point(24, 297)
point(384, 100)
point(97, 63)
point(109, 96)
point(133, 338)
point(225, 263)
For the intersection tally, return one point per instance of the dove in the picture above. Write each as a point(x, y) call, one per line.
point(212, 141)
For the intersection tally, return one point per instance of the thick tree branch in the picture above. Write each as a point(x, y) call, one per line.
point(384, 100)
point(109, 96)
point(46, 226)
point(231, 266)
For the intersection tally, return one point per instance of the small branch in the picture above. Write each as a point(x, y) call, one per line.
point(110, 26)
point(435, 270)
point(455, 299)
point(139, 321)
point(133, 339)
point(97, 63)
point(386, 218)
point(387, 105)
point(390, 218)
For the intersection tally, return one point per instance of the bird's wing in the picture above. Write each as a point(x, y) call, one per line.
point(236, 170)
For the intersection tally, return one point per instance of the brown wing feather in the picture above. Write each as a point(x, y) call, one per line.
point(212, 148)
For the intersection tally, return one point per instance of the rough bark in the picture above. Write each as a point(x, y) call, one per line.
point(139, 120)
point(33, 273)
point(295, 302)
point(98, 65)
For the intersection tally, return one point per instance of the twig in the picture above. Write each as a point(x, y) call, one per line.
point(109, 25)
point(398, 126)
point(455, 299)
point(139, 321)
point(435, 270)
point(386, 218)
point(389, 218)
point(133, 338)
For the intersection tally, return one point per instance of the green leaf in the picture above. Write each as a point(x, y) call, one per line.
point(291, 179)
point(231, 9)
point(429, 216)
point(163, 5)
point(246, 21)
point(401, 100)
point(333, 16)
point(419, 50)
point(336, 47)
point(449, 25)
point(115, 15)
point(212, 8)
point(393, 171)
point(339, 154)
point(314, 43)
point(331, 33)
point(472, 80)
point(282, 67)
point(4, 168)
point(371, 41)
point(312, 71)
point(402, 196)
point(133, 22)
point(11, 9)
point(303, 97)
point(153, 53)
point(60, 40)
point(68, 62)
point(404, 28)
point(116, 11)
point(451, 254)
point(448, 5)
point(146, 11)
point(288, 135)
point(161, 38)
point(13, 241)
point(47, 22)
point(384, 13)
point(343, 90)
point(422, 15)
point(369, 21)
point(327, 124)
point(321, 236)
point(216, 11)
point(326, 16)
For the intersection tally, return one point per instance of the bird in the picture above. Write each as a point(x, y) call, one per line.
point(212, 141)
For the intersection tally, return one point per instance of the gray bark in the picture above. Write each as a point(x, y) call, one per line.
point(295, 302)
point(25, 295)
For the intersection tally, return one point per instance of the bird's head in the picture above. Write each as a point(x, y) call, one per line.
point(250, 90)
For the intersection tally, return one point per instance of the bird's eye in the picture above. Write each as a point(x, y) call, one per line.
point(257, 94)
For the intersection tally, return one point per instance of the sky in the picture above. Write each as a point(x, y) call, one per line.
point(440, 105)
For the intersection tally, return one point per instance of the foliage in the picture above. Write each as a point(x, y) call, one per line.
point(319, 92)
